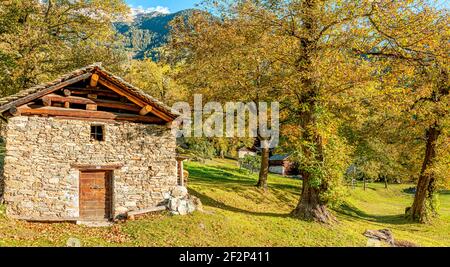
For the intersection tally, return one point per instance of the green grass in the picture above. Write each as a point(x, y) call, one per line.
point(238, 214)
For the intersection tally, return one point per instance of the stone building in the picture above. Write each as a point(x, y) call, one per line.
point(245, 151)
point(87, 146)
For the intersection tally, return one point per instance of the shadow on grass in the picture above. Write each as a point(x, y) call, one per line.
point(213, 175)
point(351, 211)
point(218, 204)
point(231, 179)
point(229, 176)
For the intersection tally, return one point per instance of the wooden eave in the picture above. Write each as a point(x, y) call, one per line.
point(86, 114)
point(51, 89)
point(117, 100)
point(133, 98)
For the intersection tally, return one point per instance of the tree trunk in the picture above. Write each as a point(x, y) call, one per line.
point(364, 183)
point(418, 211)
point(430, 195)
point(264, 170)
point(310, 207)
point(385, 182)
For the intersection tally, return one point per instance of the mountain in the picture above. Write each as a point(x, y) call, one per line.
point(147, 31)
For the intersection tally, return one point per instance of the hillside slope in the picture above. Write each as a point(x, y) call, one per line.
point(147, 32)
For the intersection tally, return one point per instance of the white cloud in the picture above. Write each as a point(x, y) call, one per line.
point(141, 10)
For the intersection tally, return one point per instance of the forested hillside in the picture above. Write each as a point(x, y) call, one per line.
point(146, 32)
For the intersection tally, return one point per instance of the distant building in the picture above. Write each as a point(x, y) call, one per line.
point(242, 152)
point(281, 164)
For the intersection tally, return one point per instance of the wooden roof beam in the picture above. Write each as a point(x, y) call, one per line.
point(45, 91)
point(80, 113)
point(94, 80)
point(86, 91)
point(14, 111)
point(117, 105)
point(133, 98)
point(121, 92)
point(48, 99)
point(161, 115)
point(145, 110)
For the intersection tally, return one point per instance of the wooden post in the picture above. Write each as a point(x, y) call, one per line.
point(94, 80)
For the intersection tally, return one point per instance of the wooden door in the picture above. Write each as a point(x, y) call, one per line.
point(95, 195)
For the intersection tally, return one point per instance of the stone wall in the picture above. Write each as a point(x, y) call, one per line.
point(41, 181)
point(2, 155)
point(1, 182)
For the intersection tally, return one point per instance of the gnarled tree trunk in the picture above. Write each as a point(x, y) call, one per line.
point(418, 211)
point(264, 170)
point(310, 207)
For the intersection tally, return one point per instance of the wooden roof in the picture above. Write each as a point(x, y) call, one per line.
point(279, 157)
point(89, 87)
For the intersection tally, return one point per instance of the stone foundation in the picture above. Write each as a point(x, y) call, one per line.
point(42, 155)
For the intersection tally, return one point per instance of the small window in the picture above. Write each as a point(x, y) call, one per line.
point(97, 133)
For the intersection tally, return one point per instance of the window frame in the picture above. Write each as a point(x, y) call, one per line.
point(96, 135)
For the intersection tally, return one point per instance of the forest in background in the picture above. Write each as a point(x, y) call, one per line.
point(144, 33)
point(360, 83)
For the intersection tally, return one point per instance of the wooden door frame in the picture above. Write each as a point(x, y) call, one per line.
point(109, 174)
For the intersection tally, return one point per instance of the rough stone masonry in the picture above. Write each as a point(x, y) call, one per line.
point(41, 182)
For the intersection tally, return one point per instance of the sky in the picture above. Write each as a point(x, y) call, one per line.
point(171, 6)
point(164, 6)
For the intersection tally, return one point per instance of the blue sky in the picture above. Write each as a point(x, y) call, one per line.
point(170, 5)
